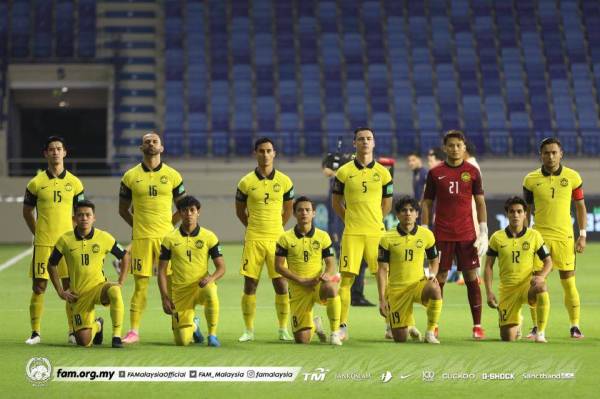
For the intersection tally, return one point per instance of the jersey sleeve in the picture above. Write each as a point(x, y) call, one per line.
point(30, 197)
point(288, 195)
point(384, 251)
point(241, 194)
point(281, 248)
point(214, 248)
point(79, 192)
point(57, 252)
point(430, 248)
point(387, 189)
point(165, 249)
point(577, 187)
point(540, 249)
point(178, 187)
point(527, 190)
point(327, 247)
point(125, 190)
point(493, 246)
point(477, 183)
point(116, 250)
point(338, 182)
point(429, 193)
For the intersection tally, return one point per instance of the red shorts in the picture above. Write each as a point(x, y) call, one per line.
point(463, 252)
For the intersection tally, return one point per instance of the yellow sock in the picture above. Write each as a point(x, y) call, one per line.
point(69, 312)
point(434, 309)
point(95, 328)
point(183, 335)
point(533, 311)
point(571, 299)
point(36, 308)
point(334, 309)
point(346, 283)
point(138, 301)
point(211, 311)
point(543, 310)
point(282, 305)
point(249, 310)
point(117, 309)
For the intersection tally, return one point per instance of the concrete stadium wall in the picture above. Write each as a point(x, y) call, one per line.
point(214, 182)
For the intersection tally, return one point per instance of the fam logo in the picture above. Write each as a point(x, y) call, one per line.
point(316, 245)
point(199, 244)
point(317, 375)
point(68, 187)
point(164, 179)
point(38, 370)
point(419, 243)
point(564, 182)
point(95, 248)
point(277, 187)
point(465, 176)
point(376, 177)
point(526, 246)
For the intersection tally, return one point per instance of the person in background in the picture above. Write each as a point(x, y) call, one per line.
point(435, 156)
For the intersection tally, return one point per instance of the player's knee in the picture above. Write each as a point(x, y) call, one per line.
point(329, 290)
point(280, 285)
point(347, 280)
point(400, 337)
point(302, 336)
point(39, 289)
point(250, 286)
point(434, 290)
point(83, 339)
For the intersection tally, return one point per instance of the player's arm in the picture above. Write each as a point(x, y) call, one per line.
point(66, 295)
point(427, 203)
point(287, 211)
point(383, 261)
point(178, 194)
point(528, 196)
point(219, 262)
point(125, 197)
point(581, 215)
point(241, 207)
point(124, 258)
point(386, 205)
point(337, 199)
point(29, 203)
point(165, 257)
point(434, 261)
point(481, 243)
point(329, 259)
point(488, 276)
point(387, 196)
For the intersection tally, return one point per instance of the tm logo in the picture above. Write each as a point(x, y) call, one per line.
point(317, 375)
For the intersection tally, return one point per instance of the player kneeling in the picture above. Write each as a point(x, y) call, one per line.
point(401, 280)
point(84, 250)
point(188, 249)
point(305, 248)
point(515, 247)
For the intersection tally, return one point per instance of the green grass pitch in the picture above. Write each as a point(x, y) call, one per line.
point(366, 352)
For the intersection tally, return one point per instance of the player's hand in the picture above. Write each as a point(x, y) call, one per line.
point(383, 308)
point(537, 281)
point(492, 301)
point(324, 278)
point(433, 279)
point(309, 282)
point(205, 281)
point(69, 296)
point(168, 305)
point(580, 244)
point(481, 243)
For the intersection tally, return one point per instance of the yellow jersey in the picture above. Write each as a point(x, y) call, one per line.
point(53, 198)
point(264, 198)
point(363, 188)
point(405, 254)
point(516, 254)
point(151, 193)
point(189, 254)
point(84, 256)
point(551, 195)
point(305, 252)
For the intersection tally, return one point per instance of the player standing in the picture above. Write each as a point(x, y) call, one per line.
point(263, 203)
point(188, 249)
point(147, 193)
point(362, 195)
point(549, 191)
point(516, 247)
point(401, 280)
point(452, 185)
point(305, 248)
point(83, 250)
point(52, 194)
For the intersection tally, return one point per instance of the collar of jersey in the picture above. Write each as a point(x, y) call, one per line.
point(359, 166)
point(412, 232)
point(194, 232)
point(510, 234)
point(454, 167)
point(557, 173)
point(147, 169)
point(61, 176)
point(261, 177)
point(88, 237)
point(310, 233)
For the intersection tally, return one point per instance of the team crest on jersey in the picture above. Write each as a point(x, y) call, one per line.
point(376, 177)
point(68, 187)
point(164, 179)
point(419, 243)
point(199, 244)
point(316, 245)
point(465, 176)
point(564, 182)
point(95, 248)
point(525, 246)
point(277, 187)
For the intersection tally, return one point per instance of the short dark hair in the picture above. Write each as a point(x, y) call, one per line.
point(84, 204)
point(548, 141)
point(187, 202)
point(516, 200)
point(303, 198)
point(471, 148)
point(413, 154)
point(406, 200)
point(263, 140)
point(52, 139)
point(454, 134)
point(361, 128)
point(437, 153)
